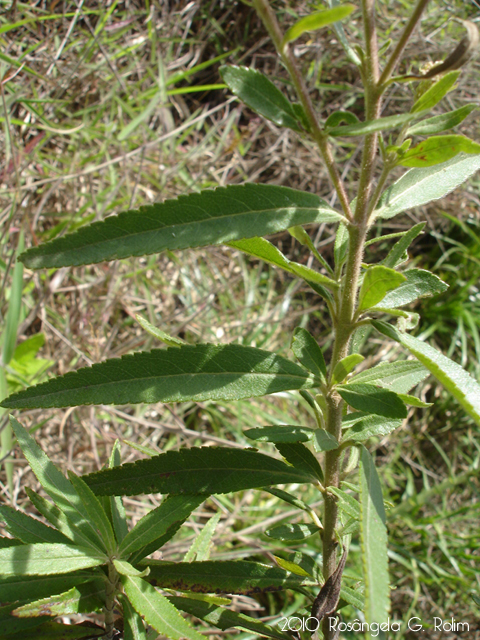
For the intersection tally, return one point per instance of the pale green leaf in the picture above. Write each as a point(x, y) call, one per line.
point(346, 502)
point(28, 529)
point(292, 532)
point(395, 255)
point(451, 375)
point(336, 118)
point(201, 547)
point(124, 568)
point(436, 92)
point(84, 598)
point(26, 587)
point(373, 537)
point(368, 398)
point(308, 353)
point(12, 318)
point(170, 341)
point(340, 31)
point(214, 216)
point(359, 426)
point(317, 20)
point(324, 441)
point(292, 567)
point(341, 245)
point(399, 377)
point(437, 149)
point(420, 186)
point(176, 374)
point(117, 509)
point(280, 433)
point(418, 283)
point(413, 401)
point(440, 123)
point(345, 366)
point(377, 282)
point(372, 126)
point(46, 559)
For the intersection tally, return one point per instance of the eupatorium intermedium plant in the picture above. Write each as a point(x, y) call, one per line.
point(91, 555)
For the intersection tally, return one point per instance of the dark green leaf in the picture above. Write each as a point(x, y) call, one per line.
point(373, 536)
point(280, 433)
point(455, 379)
point(301, 458)
point(26, 587)
point(229, 576)
point(210, 217)
point(399, 377)
point(292, 532)
point(13, 627)
point(395, 256)
point(27, 529)
point(287, 497)
point(440, 123)
point(364, 426)
point(436, 92)
point(9, 542)
point(418, 284)
point(207, 470)
point(336, 118)
point(84, 598)
point(368, 398)
point(59, 631)
point(438, 149)
point(308, 353)
point(378, 280)
point(317, 20)
point(371, 126)
point(176, 374)
point(261, 95)
point(420, 186)
point(345, 366)
point(46, 559)
point(134, 629)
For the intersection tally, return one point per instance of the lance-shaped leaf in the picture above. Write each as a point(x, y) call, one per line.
point(157, 610)
point(418, 283)
point(206, 470)
point(440, 123)
point(46, 559)
point(201, 547)
point(395, 255)
point(82, 599)
point(450, 374)
point(292, 532)
point(308, 352)
point(263, 249)
point(133, 627)
point(437, 149)
point(261, 95)
point(13, 628)
point(280, 433)
point(317, 20)
point(373, 536)
point(301, 458)
point(210, 217)
point(368, 398)
point(117, 509)
point(176, 374)
point(346, 502)
point(228, 576)
point(420, 186)
point(324, 441)
point(372, 126)
point(26, 587)
point(436, 92)
point(399, 377)
point(173, 511)
point(28, 529)
point(226, 618)
point(345, 366)
point(363, 426)
point(377, 282)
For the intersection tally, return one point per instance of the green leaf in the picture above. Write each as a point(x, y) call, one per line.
point(12, 318)
point(301, 458)
point(361, 426)
point(340, 32)
point(207, 470)
point(324, 441)
point(399, 377)
point(170, 341)
point(203, 543)
point(450, 374)
point(280, 433)
point(225, 618)
point(157, 610)
point(418, 283)
point(124, 568)
point(134, 629)
point(263, 249)
point(227, 576)
point(316, 21)
point(436, 92)
point(176, 374)
point(413, 401)
point(211, 217)
point(341, 245)
point(373, 536)
point(346, 502)
point(287, 497)
point(46, 559)
point(371, 126)
point(420, 186)
point(345, 366)
point(117, 509)
point(51, 630)
point(261, 95)
point(368, 398)
point(440, 123)
point(336, 118)
point(57, 486)
point(27, 587)
point(308, 353)
point(292, 532)
point(172, 513)
point(438, 149)
point(95, 512)
point(377, 282)
point(395, 255)
point(291, 566)
point(84, 598)
point(28, 529)
point(9, 542)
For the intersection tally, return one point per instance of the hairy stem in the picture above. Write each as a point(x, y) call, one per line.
point(110, 592)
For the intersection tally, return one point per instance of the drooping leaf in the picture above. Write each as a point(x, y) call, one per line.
point(301, 458)
point(399, 377)
point(227, 576)
point(289, 498)
point(226, 618)
point(324, 441)
point(292, 532)
point(171, 513)
point(345, 366)
point(266, 251)
point(373, 536)
point(202, 545)
point(170, 341)
point(124, 568)
point(210, 217)
point(27, 587)
point(337, 117)
point(418, 283)
point(420, 186)
point(157, 610)
point(451, 375)
point(176, 374)
point(207, 470)
point(436, 92)
point(368, 398)
point(359, 426)
point(317, 20)
point(438, 149)
point(308, 353)
point(84, 598)
point(28, 529)
point(133, 629)
point(47, 559)
point(377, 282)
point(280, 433)
point(398, 250)
point(440, 123)
point(261, 95)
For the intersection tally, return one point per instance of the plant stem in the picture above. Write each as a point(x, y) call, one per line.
point(110, 591)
